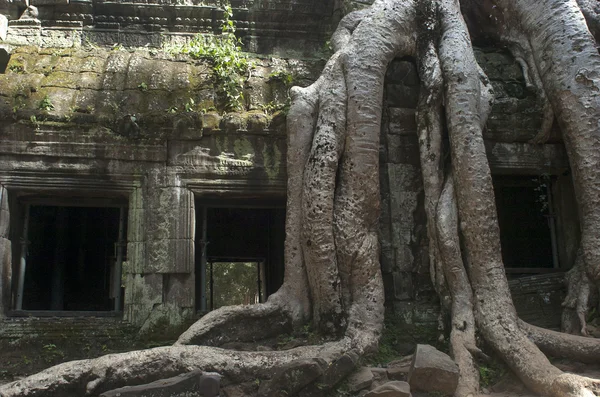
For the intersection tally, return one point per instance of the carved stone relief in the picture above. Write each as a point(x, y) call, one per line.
point(199, 160)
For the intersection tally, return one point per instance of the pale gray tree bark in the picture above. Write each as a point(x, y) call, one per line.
point(332, 273)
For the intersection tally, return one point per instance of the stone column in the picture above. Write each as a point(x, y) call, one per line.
point(161, 288)
point(5, 254)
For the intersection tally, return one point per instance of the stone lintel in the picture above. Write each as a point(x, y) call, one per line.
point(527, 159)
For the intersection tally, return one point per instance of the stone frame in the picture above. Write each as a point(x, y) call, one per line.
point(54, 187)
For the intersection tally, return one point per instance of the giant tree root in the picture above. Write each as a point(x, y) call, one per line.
point(92, 377)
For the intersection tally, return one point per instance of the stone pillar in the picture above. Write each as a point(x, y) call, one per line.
point(160, 291)
point(58, 267)
point(5, 254)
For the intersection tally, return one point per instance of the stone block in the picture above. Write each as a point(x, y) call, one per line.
point(433, 371)
point(4, 213)
point(510, 157)
point(180, 289)
point(118, 61)
point(391, 389)
point(114, 81)
point(361, 379)
point(403, 285)
point(403, 149)
point(136, 199)
point(402, 121)
point(145, 290)
point(136, 225)
point(169, 256)
point(402, 96)
point(379, 375)
point(387, 256)
point(338, 370)
point(170, 214)
point(499, 65)
point(5, 275)
point(136, 256)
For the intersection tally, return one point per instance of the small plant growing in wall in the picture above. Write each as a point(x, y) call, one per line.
point(285, 77)
point(16, 67)
point(46, 104)
point(143, 86)
point(189, 106)
point(230, 64)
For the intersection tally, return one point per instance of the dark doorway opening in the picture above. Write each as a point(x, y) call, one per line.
point(527, 223)
point(70, 257)
point(239, 254)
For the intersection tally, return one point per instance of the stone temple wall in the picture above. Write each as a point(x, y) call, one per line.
point(515, 119)
point(274, 27)
point(119, 125)
point(89, 121)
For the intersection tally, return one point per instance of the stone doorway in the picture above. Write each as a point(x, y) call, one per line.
point(239, 249)
point(527, 221)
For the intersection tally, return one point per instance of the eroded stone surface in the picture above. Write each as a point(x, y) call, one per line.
point(361, 379)
point(433, 371)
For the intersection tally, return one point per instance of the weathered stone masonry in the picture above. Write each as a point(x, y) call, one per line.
point(116, 128)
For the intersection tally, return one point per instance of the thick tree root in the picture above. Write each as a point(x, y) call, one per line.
point(494, 312)
point(575, 305)
point(92, 377)
point(238, 324)
point(559, 344)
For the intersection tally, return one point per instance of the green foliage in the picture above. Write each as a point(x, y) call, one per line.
point(46, 104)
point(143, 86)
point(272, 107)
point(189, 106)
point(491, 373)
point(51, 353)
point(233, 283)
point(225, 53)
point(16, 67)
point(285, 77)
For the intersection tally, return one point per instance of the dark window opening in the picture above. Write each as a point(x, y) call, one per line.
point(526, 221)
point(70, 258)
point(239, 255)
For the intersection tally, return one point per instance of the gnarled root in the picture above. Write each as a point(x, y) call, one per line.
point(92, 377)
point(575, 305)
point(238, 324)
point(559, 344)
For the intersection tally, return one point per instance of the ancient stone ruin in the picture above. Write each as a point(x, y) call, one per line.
point(129, 192)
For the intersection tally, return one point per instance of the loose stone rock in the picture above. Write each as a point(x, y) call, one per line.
point(361, 379)
point(433, 371)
